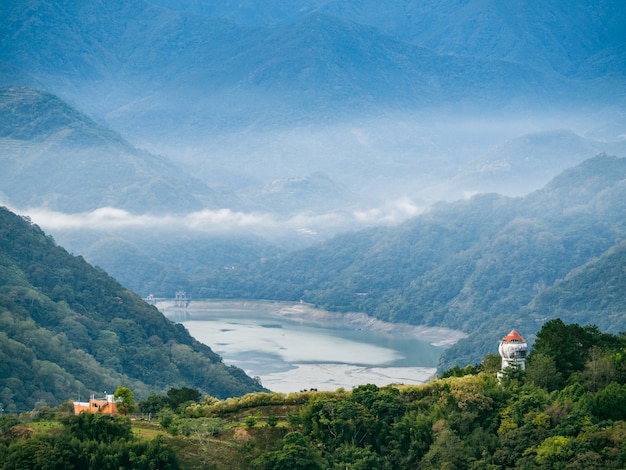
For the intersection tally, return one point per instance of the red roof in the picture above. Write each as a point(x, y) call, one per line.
point(513, 336)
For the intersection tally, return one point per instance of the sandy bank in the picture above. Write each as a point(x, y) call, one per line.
point(334, 376)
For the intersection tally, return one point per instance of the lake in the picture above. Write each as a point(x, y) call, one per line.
point(292, 347)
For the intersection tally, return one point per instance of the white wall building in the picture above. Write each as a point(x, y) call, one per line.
point(513, 350)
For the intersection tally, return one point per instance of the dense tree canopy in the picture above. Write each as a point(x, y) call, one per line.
point(125, 400)
point(67, 328)
point(468, 419)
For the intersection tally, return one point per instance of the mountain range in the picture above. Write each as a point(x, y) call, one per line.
point(195, 144)
point(248, 94)
point(480, 265)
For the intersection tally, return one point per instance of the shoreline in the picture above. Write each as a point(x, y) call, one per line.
point(332, 377)
point(437, 336)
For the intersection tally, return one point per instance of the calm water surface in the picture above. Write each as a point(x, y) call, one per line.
point(291, 354)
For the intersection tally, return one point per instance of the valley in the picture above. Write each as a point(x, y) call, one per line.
point(451, 166)
point(359, 199)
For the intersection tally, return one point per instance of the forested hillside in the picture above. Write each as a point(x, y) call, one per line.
point(566, 410)
point(470, 264)
point(67, 328)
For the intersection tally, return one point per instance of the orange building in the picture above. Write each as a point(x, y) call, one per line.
point(97, 405)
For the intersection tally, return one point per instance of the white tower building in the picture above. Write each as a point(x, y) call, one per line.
point(513, 349)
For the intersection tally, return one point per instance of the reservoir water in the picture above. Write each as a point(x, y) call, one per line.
point(292, 347)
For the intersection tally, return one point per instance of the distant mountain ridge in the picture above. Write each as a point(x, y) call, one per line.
point(436, 54)
point(537, 156)
point(519, 32)
point(54, 156)
point(67, 328)
point(263, 92)
point(467, 265)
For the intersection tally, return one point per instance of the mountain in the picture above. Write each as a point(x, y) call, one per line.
point(313, 61)
point(316, 192)
point(68, 328)
point(595, 292)
point(162, 262)
point(460, 27)
point(56, 157)
point(341, 114)
point(13, 76)
point(567, 38)
point(470, 264)
point(536, 157)
point(249, 92)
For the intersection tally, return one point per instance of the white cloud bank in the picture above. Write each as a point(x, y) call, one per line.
point(222, 221)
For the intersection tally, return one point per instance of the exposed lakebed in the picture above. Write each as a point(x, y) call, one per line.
point(293, 346)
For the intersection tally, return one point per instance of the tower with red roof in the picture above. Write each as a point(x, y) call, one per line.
point(513, 349)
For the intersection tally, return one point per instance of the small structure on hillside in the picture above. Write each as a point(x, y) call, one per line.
point(513, 350)
point(104, 405)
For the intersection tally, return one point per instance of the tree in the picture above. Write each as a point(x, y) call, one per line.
point(125, 400)
point(153, 404)
point(610, 402)
point(178, 396)
point(541, 371)
point(272, 420)
point(599, 370)
point(554, 452)
point(567, 345)
point(98, 427)
point(447, 452)
point(294, 453)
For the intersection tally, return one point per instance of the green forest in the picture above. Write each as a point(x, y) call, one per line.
point(566, 410)
point(474, 265)
point(68, 329)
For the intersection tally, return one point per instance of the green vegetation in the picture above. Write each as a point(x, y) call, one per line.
point(86, 441)
point(475, 265)
point(125, 400)
point(68, 329)
point(566, 411)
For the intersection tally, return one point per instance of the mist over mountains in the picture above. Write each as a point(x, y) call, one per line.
point(389, 104)
point(169, 141)
point(478, 265)
point(58, 158)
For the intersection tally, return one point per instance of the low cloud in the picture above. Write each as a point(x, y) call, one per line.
point(111, 218)
point(105, 218)
point(391, 213)
point(223, 221)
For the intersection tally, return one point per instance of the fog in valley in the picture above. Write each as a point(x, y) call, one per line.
point(165, 125)
point(301, 184)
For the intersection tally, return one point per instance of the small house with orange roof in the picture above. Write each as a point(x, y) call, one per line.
point(104, 405)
